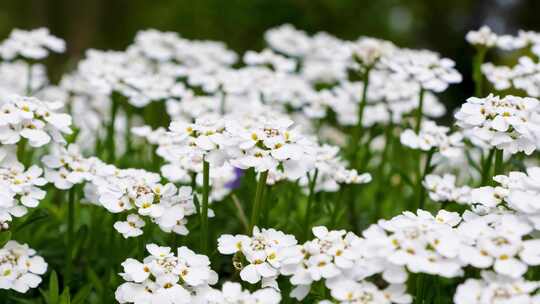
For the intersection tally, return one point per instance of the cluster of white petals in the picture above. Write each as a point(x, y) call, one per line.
point(493, 288)
point(20, 267)
point(165, 277)
point(508, 123)
point(139, 192)
point(266, 253)
point(497, 241)
point(232, 293)
point(19, 190)
point(66, 166)
point(35, 44)
point(33, 120)
point(444, 189)
point(432, 137)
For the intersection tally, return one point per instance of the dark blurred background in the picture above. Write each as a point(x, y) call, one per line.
point(439, 25)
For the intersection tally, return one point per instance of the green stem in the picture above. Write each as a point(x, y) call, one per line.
point(255, 211)
point(21, 151)
point(420, 188)
point(477, 71)
point(70, 234)
point(419, 111)
point(29, 80)
point(111, 149)
point(486, 168)
point(307, 220)
point(498, 162)
point(419, 298)
point(357, 135)
point(204, 207)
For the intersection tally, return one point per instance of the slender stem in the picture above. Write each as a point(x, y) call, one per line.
point(498, 162)
point(477, 71)
point(486, 168)
point(357, 135)
point(29, 80)
point(111, 149)
point(204, 207)
point(419, 111)
point(255, 211)
point(419, 298)
point(21, 151)
point(307, 220)
point(420, 188)
point(381, 172)
point(129, 120)
point(70, 233)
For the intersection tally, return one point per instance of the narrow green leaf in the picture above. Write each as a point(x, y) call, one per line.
point(54, 293)
point(82, 295)
point(4, 237)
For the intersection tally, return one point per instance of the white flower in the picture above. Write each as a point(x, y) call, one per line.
point(444, 189)
point(266, 252)
point(20, 268)
point(483, 37)
point(424, 67)
point(19, 190)
point(497, 241)
point(34, 44)
point(368, 51)
point(434, 137)
point(509, 123)
point(32, 119)
point(420, 242)
point(66, 167)
point(232, 293)
point(494, 288)
point(131, 227)
point(165, 277)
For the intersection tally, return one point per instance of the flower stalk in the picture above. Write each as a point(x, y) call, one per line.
point(307, 221)
point(204, 207)
point(255, 211)
point(70, 234)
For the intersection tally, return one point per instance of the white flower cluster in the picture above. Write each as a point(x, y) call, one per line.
point(420, 242)
point(523, 76)
point(508, 123)
point(493, 288)
point(66, 167)
point(497, 240)
point(444, 189)
point(434, 138)
point(19, 190)
point(266, 253)
point(232, 293)
point(165, 277)
point(518, 190)
point(483, 37)
point(128, 190)
point(332, 171)
point(20, 268)
point(423, 67)
point(34, 45)
point(32, 119)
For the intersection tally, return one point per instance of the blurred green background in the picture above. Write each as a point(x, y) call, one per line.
point(439, 25)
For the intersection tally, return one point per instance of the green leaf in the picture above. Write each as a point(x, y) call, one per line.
point(53, 288)
point(82, 295)
point(65, 297)
point(96, 281)
point(4, 237)
point(36, 216)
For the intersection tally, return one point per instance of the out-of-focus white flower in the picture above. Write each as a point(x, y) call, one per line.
point(20, 267)
point(424, 67)
point(368, 51)
point(232, 293)
point(35, 44)
point(492, 288)
point(483, 37)
point(444, 189)
point(66, 167)
point(434, 137)
point(268, 57)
